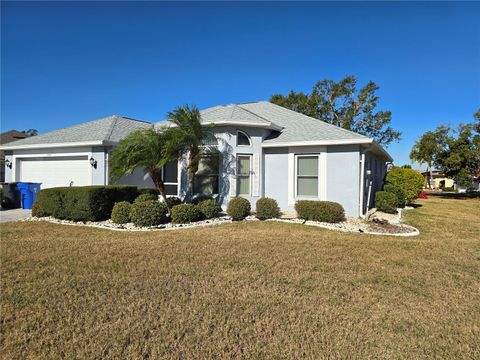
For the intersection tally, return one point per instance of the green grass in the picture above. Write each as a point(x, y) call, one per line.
point(246, 290)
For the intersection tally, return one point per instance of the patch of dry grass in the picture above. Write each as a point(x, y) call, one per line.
point(253, 290)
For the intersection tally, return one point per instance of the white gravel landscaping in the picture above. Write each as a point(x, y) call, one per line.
point(379, 224)
point(108, 224)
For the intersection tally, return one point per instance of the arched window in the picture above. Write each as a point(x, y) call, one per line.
point(243, 139)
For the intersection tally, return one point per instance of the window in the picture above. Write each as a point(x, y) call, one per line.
point(243, 174)
point(243, 139)
point(205, 181)
point(307, 175)
point(170, 178)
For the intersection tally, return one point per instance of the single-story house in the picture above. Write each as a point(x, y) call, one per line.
point(264, 150)
point(438, 180)
point(5, 138)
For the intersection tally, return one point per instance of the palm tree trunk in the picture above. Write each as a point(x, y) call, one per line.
point(156, 176)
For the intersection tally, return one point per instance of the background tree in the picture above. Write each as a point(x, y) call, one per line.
point(189, 139)
point(142, 149)
point(460, 158)
point(341, 104)
point(454, 151)
point(428, 147)
point(31, 132)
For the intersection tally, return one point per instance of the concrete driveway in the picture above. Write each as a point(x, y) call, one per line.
point(14, 214)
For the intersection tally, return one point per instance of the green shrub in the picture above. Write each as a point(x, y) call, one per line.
point(37, 210)
point(324, 211)
point(200, 198)
point(121, 212)
point(386, 201)
point(84, 203)
point(146, 197)
point(172, 201)
point(409, 180)
point(209, 208)
point(267, 208)
point(148, 191)
point(448, 189)
point(238, 208)
point(186, 213)
point(148, 213)
point(398, 192)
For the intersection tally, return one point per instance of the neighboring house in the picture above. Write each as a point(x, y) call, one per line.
point(264, 150)
point(438, 180)
point(6, 138)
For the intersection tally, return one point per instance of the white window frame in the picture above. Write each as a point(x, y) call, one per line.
point(306, 197)
point(248, 137)
point(249, 174)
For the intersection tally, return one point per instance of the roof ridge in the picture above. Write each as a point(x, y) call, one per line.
point(112, 126)
point(315, 119)
point(261, 117)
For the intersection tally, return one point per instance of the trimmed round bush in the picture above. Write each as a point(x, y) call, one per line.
point(148, 213)
point(186, 213)
point(198, 199)
point(121, 212)
point(323, 211)
point(238, 208)
point(209, 208)
point(409, 180)
point(172, 201)
point(386, 201)
point(146, 197)
point(267, 208)
point(37, 210)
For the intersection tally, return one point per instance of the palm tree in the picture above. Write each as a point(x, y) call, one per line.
point(142, 149)
point(187, 138)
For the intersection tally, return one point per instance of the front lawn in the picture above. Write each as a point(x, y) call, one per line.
point(253, 290)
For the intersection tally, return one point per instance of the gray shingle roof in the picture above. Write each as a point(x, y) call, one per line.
point(298, 127)
point(232, 114)
point(110, 129)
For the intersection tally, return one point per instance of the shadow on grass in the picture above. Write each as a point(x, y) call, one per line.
point(454, 195)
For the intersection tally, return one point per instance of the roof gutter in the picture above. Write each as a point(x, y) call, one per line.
point(56, 145)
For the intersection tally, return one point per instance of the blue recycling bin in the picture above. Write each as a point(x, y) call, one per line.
point(28, 193)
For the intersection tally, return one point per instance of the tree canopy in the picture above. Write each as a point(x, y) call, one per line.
point(454, 151)
point(342, 104)
point(144, 149)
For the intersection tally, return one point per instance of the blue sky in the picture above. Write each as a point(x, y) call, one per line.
point(63, 63)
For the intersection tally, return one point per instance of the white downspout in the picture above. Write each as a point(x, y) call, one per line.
point(362, 182)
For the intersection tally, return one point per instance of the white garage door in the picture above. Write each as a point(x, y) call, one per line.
point(55, 171)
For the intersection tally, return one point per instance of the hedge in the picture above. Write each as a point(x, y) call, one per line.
point(209, 208)
point(172, 201)
point(238, 208)
point(146, 197)
point(324, 211)
point(83, 203)
point(186, 213)
point(399, 193)
point(267, 208)
point(386, 201)
point(149, 213)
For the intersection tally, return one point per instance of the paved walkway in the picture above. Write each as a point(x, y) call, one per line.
point(14, 214)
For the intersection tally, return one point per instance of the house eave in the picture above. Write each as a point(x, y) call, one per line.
point(317, 143)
